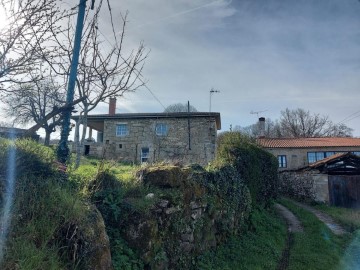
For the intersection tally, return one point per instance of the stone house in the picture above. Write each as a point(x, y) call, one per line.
point(295, 153)
point(152, 137)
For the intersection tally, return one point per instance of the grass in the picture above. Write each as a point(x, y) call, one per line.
point(349, 218)
point(259, 248)
point(317, 247)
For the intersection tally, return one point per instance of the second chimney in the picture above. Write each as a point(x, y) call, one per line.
point(112, 106)
point(261, 127)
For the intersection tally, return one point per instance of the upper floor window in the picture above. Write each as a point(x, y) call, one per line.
point(161, 129)
point(282, 161)
point(316, 156)
point(122, 130)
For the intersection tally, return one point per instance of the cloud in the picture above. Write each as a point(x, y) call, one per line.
point(261, 55)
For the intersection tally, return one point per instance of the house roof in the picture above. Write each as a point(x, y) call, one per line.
point(335, 157)
point(125, 116)
point(308, 142)
point(341, 163)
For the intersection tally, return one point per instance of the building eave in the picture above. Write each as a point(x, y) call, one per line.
point(126, 116)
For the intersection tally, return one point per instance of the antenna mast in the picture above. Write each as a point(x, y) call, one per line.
point(257, 112)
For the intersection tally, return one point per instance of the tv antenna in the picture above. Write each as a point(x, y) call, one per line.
point(212, 91)
point(257, 113)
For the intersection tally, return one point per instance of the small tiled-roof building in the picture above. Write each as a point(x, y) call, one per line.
point(295, 153)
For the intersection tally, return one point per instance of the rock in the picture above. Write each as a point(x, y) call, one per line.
point(86, 241)
point(196, 214)
point(163, 203)
point(150, 196)
point(168, 177)
point(188, 237)
point(172, 210)
point(186, 247)
point(195, 205)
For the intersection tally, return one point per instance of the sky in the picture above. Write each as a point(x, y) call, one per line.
point(262, 55)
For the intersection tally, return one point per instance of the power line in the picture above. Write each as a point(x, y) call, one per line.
point(110, 44)
point(139, 74)
point(180, 13)
point(349, 117)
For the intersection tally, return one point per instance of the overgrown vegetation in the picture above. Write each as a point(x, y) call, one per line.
point(349, 218)
point(256, 167)
point(165, 204)
point(316, 247)
point(258, 248)
point(36, 215)
point(107, 185)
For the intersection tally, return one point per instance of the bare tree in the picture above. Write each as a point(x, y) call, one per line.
point(102, 73)
point(301, 123)
point(31, 102)
point(179, 107)
point(23, 39)
point(295, 124)
point(253, 131)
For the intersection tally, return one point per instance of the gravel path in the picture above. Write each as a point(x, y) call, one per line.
point(328, 221)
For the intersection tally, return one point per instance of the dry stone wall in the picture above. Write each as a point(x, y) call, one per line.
point(195, 211)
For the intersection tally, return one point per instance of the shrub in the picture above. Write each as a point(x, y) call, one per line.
point(42, 204)
point(257, 167)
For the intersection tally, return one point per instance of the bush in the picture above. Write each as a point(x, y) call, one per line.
point(257, 167)
point(42, 204)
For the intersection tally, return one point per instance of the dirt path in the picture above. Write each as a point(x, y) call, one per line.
point(293, 222)
point(294, 225)
point(328, 221)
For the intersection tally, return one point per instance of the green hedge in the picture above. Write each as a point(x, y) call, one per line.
point(256, 167)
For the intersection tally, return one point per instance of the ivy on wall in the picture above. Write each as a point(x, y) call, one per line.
point(256, 167)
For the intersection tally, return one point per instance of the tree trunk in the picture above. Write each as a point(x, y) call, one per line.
point(80, 143)
point(47, 137)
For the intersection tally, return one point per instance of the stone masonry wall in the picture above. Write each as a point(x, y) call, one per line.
point(172, 147)
point(310, 185)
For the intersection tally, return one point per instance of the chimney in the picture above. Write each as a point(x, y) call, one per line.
point(112, 106)
point(262, 127)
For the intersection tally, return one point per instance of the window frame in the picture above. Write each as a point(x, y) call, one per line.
point(145, 154)
point(161, 129)
point(319, 155)
point(122, 132)
point(282, 161)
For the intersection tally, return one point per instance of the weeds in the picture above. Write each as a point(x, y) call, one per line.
point(258, 248)
point(316, 247)
point(350, 218)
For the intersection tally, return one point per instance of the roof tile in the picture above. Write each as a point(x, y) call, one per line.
point(308, 142)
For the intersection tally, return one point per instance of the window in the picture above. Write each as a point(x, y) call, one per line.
point(311, 157)
point(144, 154)
point(316, 156)
point(120, 145)
point(329, 154)
point(122, 130)
point(161, 129)
point(319, 155)
point(282, 161)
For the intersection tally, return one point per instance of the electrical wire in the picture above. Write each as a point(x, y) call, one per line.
point(350, 117)
point(139, 74)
